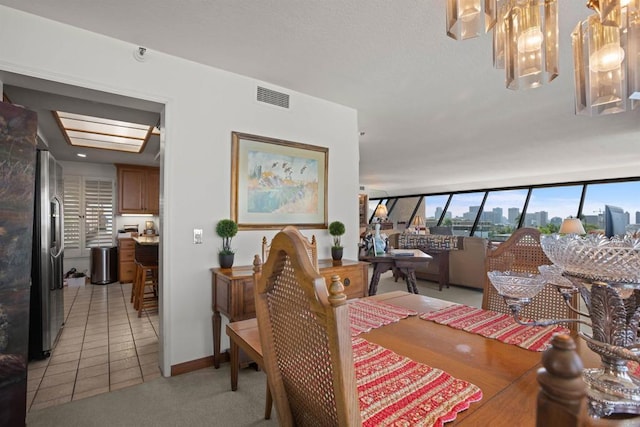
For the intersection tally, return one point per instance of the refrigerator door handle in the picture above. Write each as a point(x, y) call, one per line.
point(53, 284)
point(59, 226)
point(56, 256)
point(57, 280)
point(57, 252)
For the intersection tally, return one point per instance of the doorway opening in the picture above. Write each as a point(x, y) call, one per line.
point(103, 345)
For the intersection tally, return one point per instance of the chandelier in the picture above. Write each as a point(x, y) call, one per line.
point(606, 47)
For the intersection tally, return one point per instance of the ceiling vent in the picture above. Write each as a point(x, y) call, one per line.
point(272, 97)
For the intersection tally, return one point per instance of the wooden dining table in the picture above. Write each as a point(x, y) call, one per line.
point(505, 373)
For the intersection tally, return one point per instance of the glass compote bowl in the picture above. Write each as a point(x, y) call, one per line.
point(595, 257)
point(606, 272)
point(516, 287)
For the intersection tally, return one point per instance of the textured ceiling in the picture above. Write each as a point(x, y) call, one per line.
point(435, 114)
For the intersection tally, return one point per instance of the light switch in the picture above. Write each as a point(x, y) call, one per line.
point(197, 236)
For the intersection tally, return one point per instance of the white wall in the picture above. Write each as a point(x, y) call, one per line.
point(203, 106)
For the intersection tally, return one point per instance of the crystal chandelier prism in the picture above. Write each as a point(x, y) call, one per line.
point(606, 47)
point(531, 43)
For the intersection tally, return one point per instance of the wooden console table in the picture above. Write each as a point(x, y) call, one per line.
point(441, 258)
point(402, 263)
point(232, 292)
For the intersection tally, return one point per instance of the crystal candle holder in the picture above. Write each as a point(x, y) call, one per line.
point(607, 274)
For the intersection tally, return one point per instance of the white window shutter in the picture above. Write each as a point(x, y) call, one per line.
point(98, 210)
point(88, 214)
point(72, 215)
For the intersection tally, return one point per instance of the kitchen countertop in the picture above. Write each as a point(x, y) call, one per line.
point(147, 240)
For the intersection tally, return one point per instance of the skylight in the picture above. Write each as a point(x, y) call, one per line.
point(96, 132)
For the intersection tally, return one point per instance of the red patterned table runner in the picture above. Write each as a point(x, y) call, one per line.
point(495, 325)
point(395, 390)
point(365, 314)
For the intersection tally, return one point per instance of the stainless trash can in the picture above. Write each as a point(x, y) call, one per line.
point(104, 265)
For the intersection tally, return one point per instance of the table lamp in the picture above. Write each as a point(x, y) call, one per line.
point(572, 226)
point(418, 223)
point(380, 214)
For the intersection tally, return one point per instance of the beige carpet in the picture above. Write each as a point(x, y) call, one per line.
point(200, 398)
point(459, 294)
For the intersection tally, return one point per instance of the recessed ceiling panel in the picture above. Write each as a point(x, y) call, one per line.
point(97, 132)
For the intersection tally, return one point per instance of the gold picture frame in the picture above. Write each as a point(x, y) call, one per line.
point(275, 183)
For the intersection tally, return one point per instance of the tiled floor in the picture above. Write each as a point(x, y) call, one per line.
point(103, 346)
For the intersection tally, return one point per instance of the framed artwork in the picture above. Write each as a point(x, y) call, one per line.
point(276, 183)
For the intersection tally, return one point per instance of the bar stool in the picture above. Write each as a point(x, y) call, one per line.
point(134, 286)
point(145, 287)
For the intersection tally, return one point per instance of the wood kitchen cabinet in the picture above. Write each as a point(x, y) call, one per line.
point(126, 260)
point(138, 189)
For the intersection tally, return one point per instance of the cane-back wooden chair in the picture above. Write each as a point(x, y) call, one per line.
point(305, 337)
point(311, 248)
point(522, 253)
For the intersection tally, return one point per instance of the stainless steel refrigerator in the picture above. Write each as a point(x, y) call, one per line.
point(47, 298)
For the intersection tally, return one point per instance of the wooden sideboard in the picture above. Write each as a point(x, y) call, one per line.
point(232, 291)
point(354, 275)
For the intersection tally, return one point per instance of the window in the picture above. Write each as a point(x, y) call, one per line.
point(604, 206)
point(433, 209)
point(500, 214)
point(548, 206)
point(403, 211)
point(462, 212)
point(88, 214)
point(616, 194)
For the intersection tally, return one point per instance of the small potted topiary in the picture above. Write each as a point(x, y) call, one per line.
point(336, 229)
point(226, 228)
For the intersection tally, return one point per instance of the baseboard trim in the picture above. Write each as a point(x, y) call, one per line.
point(225, 356)
point(194, 365)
